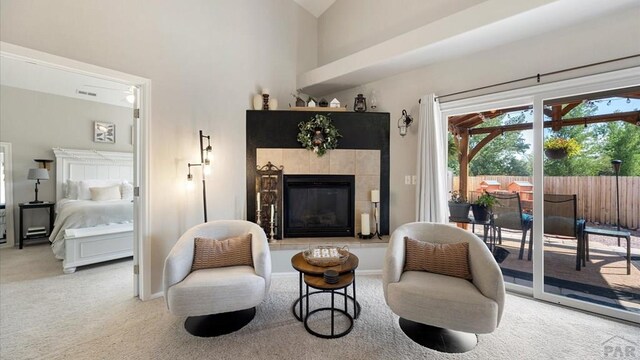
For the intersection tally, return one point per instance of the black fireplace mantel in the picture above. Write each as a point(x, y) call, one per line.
point(279, 129)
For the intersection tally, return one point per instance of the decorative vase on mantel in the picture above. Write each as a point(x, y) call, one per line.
point(556, 154)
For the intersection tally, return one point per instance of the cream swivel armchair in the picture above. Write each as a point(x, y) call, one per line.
point(220, 300)
point(438, 311)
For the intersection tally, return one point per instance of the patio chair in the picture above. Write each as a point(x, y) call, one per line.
point(561, 218)
point(507, 213)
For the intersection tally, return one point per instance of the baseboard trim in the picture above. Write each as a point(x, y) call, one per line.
point(369, 272)
point(280, 275)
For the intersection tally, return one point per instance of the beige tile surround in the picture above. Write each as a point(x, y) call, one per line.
point(363, 164)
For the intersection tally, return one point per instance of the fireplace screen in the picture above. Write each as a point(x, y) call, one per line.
point(318, 205)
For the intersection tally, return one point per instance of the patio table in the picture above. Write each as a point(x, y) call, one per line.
point(583, 252)
point(488, 225)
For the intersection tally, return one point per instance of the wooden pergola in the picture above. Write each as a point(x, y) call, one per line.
point(464, 126)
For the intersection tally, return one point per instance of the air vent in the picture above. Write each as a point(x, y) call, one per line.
point(87, 93)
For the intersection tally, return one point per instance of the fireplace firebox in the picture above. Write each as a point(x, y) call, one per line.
point(318, 205)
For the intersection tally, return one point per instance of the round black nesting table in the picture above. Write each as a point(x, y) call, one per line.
point(312, 276)
point(318, 283)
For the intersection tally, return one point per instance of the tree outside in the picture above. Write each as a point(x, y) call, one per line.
point(600, 143)
point(510, 153)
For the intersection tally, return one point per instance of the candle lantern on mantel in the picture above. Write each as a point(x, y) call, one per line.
point(360, 103)
point(269, 200)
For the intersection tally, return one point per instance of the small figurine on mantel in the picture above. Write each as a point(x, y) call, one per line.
point(334, 103)
point(299, 101)
point(311, 103)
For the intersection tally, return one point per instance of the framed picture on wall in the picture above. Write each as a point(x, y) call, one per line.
point(104, 132)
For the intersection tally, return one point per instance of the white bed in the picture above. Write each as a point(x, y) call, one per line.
point(88, 231)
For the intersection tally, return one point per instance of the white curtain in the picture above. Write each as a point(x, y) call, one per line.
point(432, 170)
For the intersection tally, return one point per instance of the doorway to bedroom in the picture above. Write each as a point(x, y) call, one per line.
point(87, 120)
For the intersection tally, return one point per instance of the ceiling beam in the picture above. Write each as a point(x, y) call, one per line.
point(569, 107)
point(632, 117)
point(456, 120)
point(556, 117)
point(483, 142)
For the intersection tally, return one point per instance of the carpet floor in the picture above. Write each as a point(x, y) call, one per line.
point(92, 315)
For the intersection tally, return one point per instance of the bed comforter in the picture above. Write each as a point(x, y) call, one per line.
point(76, 214)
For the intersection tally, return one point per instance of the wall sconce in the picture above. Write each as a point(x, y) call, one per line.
point(205, 162)
point(404, 122)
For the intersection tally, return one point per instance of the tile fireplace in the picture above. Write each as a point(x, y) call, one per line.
point(362, 154)
point(318, 205)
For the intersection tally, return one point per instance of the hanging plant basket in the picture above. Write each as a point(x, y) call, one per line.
point(559, 148)
point(556, 154)
point(318, 134)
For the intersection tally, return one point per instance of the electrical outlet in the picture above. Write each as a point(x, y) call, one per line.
point(413, 180)
point(407, 179)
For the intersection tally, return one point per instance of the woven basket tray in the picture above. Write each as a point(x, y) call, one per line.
point(325, 261)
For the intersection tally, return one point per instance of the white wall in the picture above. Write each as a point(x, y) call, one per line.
point(35, 122)
point(353, 25)
point(307, 33)
point(205, 60)
point(609, 37)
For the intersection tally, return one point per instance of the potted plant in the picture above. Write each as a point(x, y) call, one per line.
point(482, 207)
point(458, 206)
point(559, 148)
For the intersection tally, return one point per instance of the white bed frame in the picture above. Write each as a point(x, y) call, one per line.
point(102, 243)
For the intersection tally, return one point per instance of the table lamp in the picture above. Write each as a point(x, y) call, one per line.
point(37, 175)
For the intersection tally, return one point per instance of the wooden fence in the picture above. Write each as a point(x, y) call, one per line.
point(596, 195)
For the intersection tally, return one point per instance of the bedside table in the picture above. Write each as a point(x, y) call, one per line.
point(29, 206)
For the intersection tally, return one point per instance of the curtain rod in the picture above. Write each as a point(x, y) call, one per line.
point(537, 76)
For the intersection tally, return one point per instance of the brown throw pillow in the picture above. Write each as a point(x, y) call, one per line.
point(445, 259)
point(212, 253)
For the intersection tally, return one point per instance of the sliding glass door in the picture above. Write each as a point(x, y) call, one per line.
point(571, 238)
point(591, 198)
point(491, 158)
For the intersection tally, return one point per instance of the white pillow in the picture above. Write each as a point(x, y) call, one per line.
point(83, 189)
point(71, 191)
point(105, 193)
point(126, 190)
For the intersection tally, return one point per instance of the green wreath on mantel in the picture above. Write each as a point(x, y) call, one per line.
point(318, 134)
